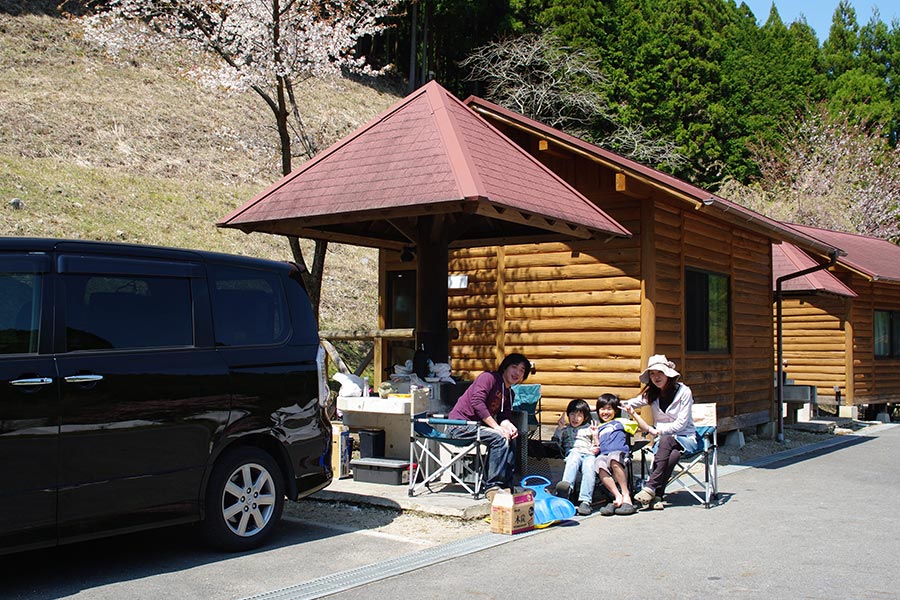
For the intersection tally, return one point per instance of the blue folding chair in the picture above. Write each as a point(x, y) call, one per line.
point(436, 457)
point(528, 400)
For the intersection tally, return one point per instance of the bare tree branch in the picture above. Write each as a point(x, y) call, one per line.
point(563, 87)
point(830, 172)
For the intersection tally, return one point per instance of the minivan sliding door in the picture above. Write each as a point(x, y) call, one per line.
point(144, 394)
point(29, 405)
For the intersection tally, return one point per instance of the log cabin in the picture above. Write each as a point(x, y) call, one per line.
point(843, 336)
point(693, 282)
point(585, 261)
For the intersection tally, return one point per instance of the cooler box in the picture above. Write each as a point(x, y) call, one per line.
point(381, 470)
point(371, 443)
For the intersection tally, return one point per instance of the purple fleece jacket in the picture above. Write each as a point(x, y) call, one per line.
point(487, 396)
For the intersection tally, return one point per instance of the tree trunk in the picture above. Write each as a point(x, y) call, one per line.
point(312, 278)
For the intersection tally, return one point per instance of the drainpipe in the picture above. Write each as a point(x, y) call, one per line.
point(779, 400)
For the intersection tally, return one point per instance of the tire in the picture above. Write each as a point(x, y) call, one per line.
point(244, 500)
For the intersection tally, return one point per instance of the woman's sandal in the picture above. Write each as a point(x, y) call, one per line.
point(644, 497)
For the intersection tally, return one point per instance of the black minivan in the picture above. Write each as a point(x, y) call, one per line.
point(144, 386)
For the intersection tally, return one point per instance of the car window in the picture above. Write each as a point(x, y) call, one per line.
point(119, 312)
point(249, 307)
point(20, 306)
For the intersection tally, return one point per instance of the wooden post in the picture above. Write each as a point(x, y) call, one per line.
point(849, 371)
point(379, 343)
point(648, 289)
point(432, 270)
point(648, 281)
point(500, 352)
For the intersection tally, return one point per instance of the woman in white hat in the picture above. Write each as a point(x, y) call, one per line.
point(673, 428)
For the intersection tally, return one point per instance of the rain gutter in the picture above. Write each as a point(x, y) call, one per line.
point(779, 397)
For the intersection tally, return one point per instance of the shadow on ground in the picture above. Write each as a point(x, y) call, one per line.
point(73, 568)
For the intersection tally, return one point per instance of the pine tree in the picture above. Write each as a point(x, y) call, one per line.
point(840, 50)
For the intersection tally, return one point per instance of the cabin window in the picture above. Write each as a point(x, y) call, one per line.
point(707, 311)
point(887, 334)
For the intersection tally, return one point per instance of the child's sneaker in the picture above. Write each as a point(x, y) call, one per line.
point(562, 489)
point(584, 509)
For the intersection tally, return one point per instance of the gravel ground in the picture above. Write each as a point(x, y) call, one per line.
point(424, 530)
point(428, 530)
point(756, 447)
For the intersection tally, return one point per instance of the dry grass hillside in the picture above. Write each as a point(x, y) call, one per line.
point(129, 149)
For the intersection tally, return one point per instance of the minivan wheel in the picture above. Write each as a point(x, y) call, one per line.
point(244, 499)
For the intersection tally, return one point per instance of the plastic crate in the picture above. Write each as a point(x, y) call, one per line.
point(380, 470)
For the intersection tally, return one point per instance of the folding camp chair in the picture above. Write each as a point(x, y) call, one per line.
point(528, 400)
point(436, 457)
point(686, 473)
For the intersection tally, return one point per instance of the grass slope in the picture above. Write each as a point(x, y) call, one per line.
point(129, 149)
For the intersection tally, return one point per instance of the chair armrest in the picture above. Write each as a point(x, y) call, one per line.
point(436, 421)
point(639, 445)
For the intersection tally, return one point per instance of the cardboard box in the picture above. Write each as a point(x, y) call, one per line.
point(340, 451)
point(381, 470)
point(512, 513)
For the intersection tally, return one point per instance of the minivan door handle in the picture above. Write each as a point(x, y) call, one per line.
point(83, 378)
point(32, 381)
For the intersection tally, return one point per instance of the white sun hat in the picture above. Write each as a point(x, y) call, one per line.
point(659, 362)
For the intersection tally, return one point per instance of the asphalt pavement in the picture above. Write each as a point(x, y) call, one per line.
point(812, 524)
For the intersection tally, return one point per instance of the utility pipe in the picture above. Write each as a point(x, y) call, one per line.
point(779, 399)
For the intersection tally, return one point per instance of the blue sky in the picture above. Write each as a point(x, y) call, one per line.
point(818, 13)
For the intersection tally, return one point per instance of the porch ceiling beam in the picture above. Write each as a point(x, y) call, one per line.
point(511, 215)
point(407, 232)
point(285, 228)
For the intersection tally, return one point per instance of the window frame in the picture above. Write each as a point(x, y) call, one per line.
point(78, 266)
point(164, 311)
point(222, 279)
point(697, 341)
point(892, 333)
point(37, 266)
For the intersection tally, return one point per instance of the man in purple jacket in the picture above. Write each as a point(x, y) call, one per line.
point(489, 400)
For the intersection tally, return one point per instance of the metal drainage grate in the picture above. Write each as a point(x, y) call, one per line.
point(339, 582)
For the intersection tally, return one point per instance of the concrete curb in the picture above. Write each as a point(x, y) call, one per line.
point(462, 508)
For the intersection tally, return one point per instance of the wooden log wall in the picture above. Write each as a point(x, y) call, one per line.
point(875, 381)
point(572, 308)
point(814, 343)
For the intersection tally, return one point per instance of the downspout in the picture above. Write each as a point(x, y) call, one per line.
point(779, 399)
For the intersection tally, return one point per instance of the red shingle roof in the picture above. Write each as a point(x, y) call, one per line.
point(787, 259)
point(427, 155)
point(703, 199)
point(874, 258)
